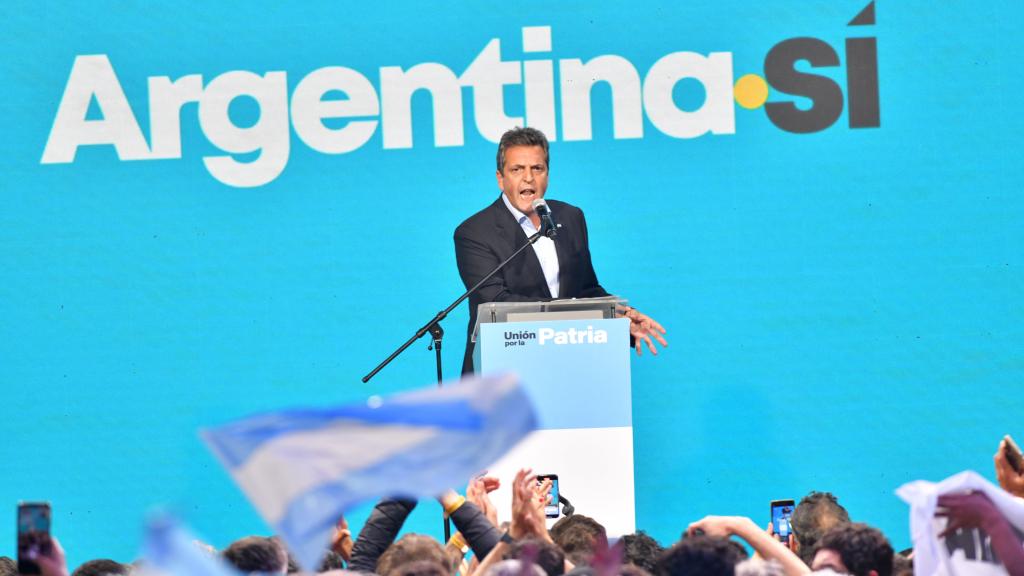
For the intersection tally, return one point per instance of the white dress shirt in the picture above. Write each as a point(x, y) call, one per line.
point(544, 247)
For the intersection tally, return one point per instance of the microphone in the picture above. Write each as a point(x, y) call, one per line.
point(547, 223)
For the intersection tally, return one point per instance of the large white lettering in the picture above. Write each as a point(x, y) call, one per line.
point(257, 154)
point(269, 136)
point(93, 77)
point(309, 109)
point(572, 336)
point(715, 115)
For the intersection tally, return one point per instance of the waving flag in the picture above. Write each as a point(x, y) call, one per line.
point(967, 551)
point(302, 469)
point(169, 549)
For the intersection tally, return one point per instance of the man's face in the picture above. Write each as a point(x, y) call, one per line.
point(524, 177)
point(828, 558)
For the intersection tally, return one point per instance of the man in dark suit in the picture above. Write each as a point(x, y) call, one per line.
point(559, 268)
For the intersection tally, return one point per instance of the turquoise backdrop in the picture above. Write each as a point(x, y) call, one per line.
point(843, 305)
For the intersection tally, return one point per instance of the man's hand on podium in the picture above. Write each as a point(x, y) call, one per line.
point(642, 328)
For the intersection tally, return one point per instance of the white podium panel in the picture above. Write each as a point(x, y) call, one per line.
point(577, 375)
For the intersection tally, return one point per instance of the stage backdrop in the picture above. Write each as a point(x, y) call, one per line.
point(212, 209)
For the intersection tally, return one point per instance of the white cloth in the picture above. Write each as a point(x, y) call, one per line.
point(932, 555)
point(544, 247)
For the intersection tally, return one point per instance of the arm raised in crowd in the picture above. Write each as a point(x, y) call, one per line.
point(975, 510)
point(528, 519)
point(478, 531)
point(767, 546)
point(379, 532)
point(51, 560)
point(1010, 479)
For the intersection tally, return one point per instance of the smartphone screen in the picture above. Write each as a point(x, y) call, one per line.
point(551, 510)
point(33, 534)
point(782, 511)
point(1013, 454)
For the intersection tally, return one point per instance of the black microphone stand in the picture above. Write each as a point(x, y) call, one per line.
point(437, 334)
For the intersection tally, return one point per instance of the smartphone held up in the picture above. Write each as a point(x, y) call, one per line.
point(551, 508)
point(1013, 454)
point(33, 535)
point(781, 512)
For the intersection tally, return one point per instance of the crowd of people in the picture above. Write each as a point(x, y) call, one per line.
point(823, 539)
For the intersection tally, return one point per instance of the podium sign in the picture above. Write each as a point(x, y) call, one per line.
point(576, 372)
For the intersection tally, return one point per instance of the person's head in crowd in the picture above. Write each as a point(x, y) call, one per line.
point(102, 567)
point(813, 516)
point(758, 567)
point(623, 570)
point(701, 556)
point(641, 550)
point(854, 548)
point(421, 568)
point(537, 551)
point(902, 566)
point(331, 561)
point(8, 567)
point(411, 548)
point(633, 570)
point(257, 554)
point(514, 568)
point(579, 537)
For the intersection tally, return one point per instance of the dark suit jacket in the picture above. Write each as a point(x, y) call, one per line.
point(486, 238)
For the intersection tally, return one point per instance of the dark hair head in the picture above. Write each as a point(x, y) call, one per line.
point(8, 567)
point(902, 566)
point(257, 554)
point(633, 570)
point(861, 548)
point(102, 567)
point(812, 518)
point(331, 561)
point(522, 137)
point(641, 550)
point(421, 568)
point(580, 537)
point(540, 552)
point(700, 556)
point(411, 548)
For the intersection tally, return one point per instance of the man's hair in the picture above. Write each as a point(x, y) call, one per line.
point(421, 568)
point(8, 567)
point(540, 552)
point(257, 554)
point(758, 567)
point(579, 537)
point(102, 567)
point(812, 518)
point(514, 568)
point(902, 566)
point(522, 137)
point(700, 556)
point(861, 548)
point(331, 561)
point(411, 548)
point(641, 550)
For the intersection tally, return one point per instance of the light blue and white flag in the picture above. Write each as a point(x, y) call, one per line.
point(302, 469)
point(169, 549)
